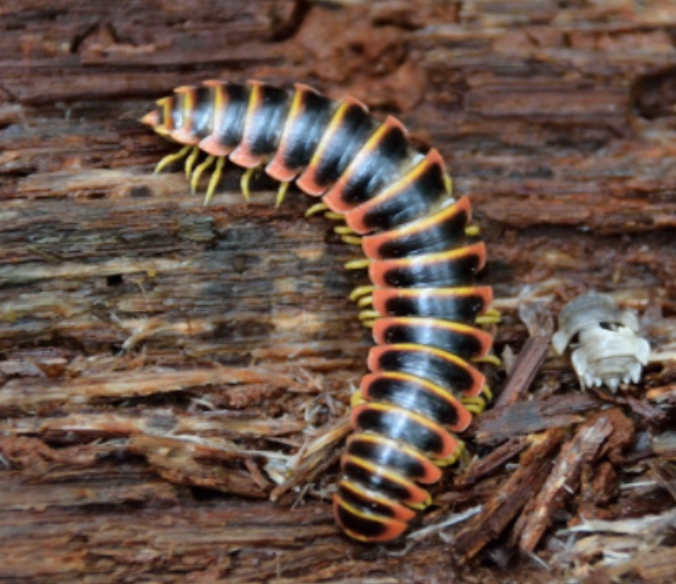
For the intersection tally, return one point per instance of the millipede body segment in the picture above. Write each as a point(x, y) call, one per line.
point(422, 256)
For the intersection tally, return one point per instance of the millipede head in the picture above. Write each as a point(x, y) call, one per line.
point(152, 119)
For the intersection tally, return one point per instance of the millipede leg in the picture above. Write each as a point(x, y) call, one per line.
point(491, 316)
point(368, 315)
point(351, 239)
point(281, 193)
point(344, 230)
point(316, 208)
point(172, 158)
point(492, 359)
point(453, 458)
point(198, 172)
point(214, 180)
point(333, 216)
point(475, 405)
point(365, 301)
point(360, 291)
point(368, 323)
point(356, 399)
point(190, 161)
point(244, 183)
point(472, 231)
point(422, 506)
point(359, 264)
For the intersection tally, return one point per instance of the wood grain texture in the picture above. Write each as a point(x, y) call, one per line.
point(165, 367)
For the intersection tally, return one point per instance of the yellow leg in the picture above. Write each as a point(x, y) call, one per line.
point(244, 183)
point(492, 359)
point(368, 323)
point(359, 264)
point(487, 392)
point(281, 193)
point(360, 291)
point(172, 158)
point(422, 506)
point(472, 230)
point(356, 399)
point(190, 161)
point(453, 458)
point(316, 208)
point(194, 181)
point(475, 405)
point(491, 316)
point(351, 239)
point(333, 216)
point(344, 230)
point(368, 315)
point(215, 178)
point(365, 301)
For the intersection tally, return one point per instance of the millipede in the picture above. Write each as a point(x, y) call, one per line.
point(422, 253)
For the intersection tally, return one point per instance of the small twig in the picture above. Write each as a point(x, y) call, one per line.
point(526, 367)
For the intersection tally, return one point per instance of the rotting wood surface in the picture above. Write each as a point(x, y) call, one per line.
point(161, 364)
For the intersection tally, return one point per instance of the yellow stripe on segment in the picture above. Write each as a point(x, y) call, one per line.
point(431, 159)
point(431, 387)
point(419, 419)
point(187, 96)
point(255, 101)
point(388, 474)
point(294, 113)
point(376, 497)
point(332, 128)
point(396, 445)
point(218, 109)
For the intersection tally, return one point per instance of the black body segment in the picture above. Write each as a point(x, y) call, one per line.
point(462, 340)
point(441, 368)
point(442, 230)
point(230, 123)
point(347, 132)
point(422, 189)
point(456, 267)
point(418, 395)
point(454, 304)
point(381, 161)
point(266, 113)
point(201, 112)
point(423, 256)
point(404, 425)
point(308, 118)
point(390, 483)
point(369, 501)
point(391, 453)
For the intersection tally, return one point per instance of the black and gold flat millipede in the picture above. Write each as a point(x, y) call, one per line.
point(422, 256)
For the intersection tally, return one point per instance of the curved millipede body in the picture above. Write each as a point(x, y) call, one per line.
point(422, 255)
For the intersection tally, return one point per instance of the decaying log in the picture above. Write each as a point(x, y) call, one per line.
point(166, 369)
point(533, 416)
point(534, 466)
point(582, 449)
